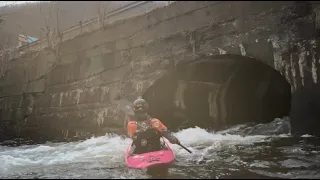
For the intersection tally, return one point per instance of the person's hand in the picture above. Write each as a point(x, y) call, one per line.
point(134, 137)
point(175, 140)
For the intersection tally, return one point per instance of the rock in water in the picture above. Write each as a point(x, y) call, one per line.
point(305, 111)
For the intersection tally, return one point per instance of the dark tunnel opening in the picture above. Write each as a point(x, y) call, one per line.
point(218, 91)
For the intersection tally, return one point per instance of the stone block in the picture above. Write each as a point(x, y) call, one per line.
point(114, 75)
point(39, 66)
point(12, 90)
point(37, 86)
point(95, 94)
point(56, 99)
point(70, 97)
point(43, 101)
point(95, 66)
point(13, 102)
point(6, 115)
point(58, 75)
point(99, 49)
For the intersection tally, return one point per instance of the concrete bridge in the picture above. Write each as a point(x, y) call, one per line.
point(209, 64)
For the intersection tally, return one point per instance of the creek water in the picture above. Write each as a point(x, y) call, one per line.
point(238, 152)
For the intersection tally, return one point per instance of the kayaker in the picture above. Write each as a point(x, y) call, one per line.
point(146, 131)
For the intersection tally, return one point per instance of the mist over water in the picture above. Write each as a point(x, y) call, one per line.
point(225, 154)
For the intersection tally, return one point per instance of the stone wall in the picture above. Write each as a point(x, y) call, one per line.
point(71, 92)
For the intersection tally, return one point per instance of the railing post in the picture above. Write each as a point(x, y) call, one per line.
point(80, 24)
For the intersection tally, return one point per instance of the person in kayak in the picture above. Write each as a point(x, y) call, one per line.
point(146, 131)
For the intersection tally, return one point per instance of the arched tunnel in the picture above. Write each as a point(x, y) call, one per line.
point(214, 92)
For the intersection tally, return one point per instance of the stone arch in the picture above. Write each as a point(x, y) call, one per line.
point(215, 91)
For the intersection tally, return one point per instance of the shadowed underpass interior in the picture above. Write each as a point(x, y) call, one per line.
point(217, 91)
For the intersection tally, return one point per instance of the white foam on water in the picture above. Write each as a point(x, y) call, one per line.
point(205, 145)
point(306, 136)
point(109, 150)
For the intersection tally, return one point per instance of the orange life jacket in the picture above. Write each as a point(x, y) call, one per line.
point(156, 124)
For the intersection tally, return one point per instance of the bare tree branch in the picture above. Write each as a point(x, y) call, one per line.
point(5, 4)
point(59, 33)
point(2, 8)
point(48, 23)
point(99, 3)
point(101, 12)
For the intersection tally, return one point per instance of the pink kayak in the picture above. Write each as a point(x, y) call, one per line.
point(145, 160)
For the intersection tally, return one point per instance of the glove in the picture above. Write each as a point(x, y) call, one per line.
point(174, 140)
point(134, 137)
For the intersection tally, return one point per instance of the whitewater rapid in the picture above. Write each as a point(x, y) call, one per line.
point(215, 155)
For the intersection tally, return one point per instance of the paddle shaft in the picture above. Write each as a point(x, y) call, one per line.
point(182, 147)
point(185, 148)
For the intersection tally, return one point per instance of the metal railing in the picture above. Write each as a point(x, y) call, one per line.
point(88, 26)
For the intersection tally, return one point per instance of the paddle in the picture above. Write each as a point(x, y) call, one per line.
point(181, 146)
point(184, 148)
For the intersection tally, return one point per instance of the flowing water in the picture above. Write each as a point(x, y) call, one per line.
point(232, 153)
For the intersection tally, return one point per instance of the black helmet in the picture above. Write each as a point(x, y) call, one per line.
point(140, 105)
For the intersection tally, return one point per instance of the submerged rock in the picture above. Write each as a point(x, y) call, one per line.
point(276, 127)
